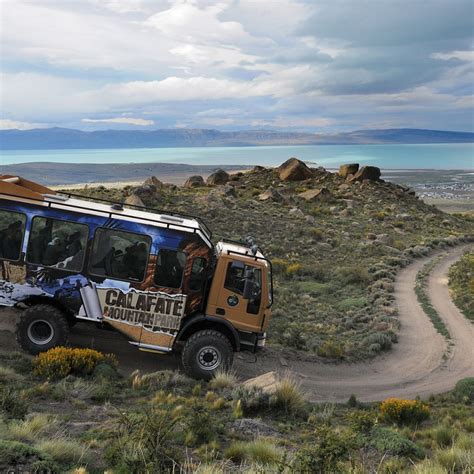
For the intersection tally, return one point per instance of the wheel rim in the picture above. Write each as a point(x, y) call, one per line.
point(209, 358)
point(40, 332)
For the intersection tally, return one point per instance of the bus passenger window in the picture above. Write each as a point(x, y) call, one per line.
point(12, 228)
point(170, 268)
point(197, 274)
point(118, 254)
point(57, 243)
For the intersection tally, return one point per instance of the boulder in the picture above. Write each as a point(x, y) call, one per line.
point(145, 190)
point(153, 181)
point(134, 200)
point(295, 212)
point(311, 195)
point(267, 382)
point(371, 173)
point(294, 170)
point(257, 169)
point(194, 182)
point(346, 170)
point(271, 194)
point(218, 177)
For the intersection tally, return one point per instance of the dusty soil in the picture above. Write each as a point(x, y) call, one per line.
point(422, 362)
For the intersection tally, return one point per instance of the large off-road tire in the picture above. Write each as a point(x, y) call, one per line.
point(206, 352)
point(42, 327)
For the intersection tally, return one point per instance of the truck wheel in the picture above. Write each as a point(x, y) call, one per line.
point(41, 327)
point(205, 352)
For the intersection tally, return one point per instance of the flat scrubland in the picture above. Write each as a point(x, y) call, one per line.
point(335, 256)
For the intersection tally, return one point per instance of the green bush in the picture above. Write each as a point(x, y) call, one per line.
point(258, 451)
point(362, 421)
point(14, 453)
point(12, 405)
point(390, 442)
point(252, 399)
point(323, 454)
point(464, 390)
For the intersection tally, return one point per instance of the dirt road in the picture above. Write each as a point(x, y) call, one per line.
point(420, 364)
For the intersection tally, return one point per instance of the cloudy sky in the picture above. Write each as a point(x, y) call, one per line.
point(318, 66)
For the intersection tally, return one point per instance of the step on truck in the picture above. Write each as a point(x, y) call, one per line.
point(154, 276)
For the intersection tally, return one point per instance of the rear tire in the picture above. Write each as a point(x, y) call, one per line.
point(42, 327)
point(206, 352)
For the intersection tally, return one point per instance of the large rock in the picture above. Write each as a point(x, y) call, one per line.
point(194, 182)
point(145, 190)
point(371, 173)
point(294, 170)
point(267, 382)
point(346, 170)
point(271, 194)
point(311, 195)
point(218, 177)
point(153, 181)
point(134, 200)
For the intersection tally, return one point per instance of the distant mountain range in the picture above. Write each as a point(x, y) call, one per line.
point(65, 138)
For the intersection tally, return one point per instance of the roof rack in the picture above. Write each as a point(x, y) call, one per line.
point(144, 208)
point(19, 187)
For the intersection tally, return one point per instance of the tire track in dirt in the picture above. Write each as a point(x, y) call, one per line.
point(419, 364)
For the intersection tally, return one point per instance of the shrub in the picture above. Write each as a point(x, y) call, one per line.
point(258, 451)
point(323, 454)
point(252, 399)
point(11, 404)
point(331, 349)
point(29, 429)
point(157, 380)
point(223, 379)
point(390, 442)
point(143, 441)
point(62, 361)
point(294, 269)
point(353, 275)
point(288, 396)
point(396, 410)
point(456, 459)
point(464, 390)
point(63, 451)
point(14, 453)
point(362, 421)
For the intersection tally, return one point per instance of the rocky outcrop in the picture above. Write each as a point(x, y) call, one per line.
point(134, 200)
point(145, 190)
point(271, 194)
point(348, 169)
point(194, 182)
point(153, 181)
point(294, 170)
point(371, 173)
point(311, 195)
point(218, 177)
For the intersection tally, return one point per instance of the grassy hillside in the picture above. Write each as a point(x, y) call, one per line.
point(91, 420)
point(335, 257)
point(461, 284)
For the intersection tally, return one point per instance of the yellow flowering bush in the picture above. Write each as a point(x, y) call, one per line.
point(400, 411)
point(62, 361)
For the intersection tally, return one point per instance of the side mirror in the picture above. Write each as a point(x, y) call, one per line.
point(249, 284)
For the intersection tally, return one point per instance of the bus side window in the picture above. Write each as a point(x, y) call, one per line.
point(119, 254)
point(12, 230)
point(170, 268)
point(57, 243)
point(198, 274)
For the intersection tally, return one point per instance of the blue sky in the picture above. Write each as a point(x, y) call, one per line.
point(315, 66)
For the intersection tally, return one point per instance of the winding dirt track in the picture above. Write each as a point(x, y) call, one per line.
point(422, 362)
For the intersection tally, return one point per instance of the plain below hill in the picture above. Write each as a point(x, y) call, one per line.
point(64, 138)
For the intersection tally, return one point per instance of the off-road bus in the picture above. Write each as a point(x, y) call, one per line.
point(153, 275)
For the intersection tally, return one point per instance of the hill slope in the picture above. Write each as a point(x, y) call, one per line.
point(64, 138)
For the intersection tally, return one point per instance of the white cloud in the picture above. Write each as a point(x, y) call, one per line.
point(461, 55)
point(121, 120)
point(7, 124)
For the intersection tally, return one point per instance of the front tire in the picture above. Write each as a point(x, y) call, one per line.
point(42, 327)
point(206, 352)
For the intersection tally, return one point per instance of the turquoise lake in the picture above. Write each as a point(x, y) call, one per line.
point(429, 156)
